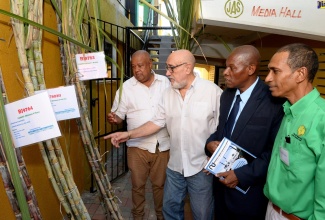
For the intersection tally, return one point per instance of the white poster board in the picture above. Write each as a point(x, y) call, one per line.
point(91, 66)
point(32, 120)
point(64, 102)
point(299, 18)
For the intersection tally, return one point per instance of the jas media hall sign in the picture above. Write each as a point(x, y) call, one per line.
point(300, 18)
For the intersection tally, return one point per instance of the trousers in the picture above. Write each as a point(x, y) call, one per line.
point(198, 187)
point(144, 165)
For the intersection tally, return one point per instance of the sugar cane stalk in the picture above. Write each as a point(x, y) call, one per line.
point(12, 162)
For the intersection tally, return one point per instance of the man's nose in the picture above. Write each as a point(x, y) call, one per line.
point(268, 78)
point(226, 71)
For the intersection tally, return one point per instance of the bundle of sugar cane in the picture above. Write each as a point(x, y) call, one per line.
point(70, 17)
point(29, 49)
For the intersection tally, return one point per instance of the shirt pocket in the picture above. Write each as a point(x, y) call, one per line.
point(294, 154)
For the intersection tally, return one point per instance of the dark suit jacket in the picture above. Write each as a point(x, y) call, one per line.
point(255, 131)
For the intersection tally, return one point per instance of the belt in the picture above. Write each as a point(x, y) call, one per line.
point(284, 214)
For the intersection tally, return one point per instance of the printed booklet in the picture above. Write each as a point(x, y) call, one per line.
point(229, 156)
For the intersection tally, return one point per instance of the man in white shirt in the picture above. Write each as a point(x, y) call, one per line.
point(190, 111)
point(147, 156)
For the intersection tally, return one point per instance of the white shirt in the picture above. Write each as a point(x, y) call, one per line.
point(189, 122)
point(138, 104)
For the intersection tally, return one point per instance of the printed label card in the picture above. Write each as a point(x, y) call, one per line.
point(64, 102)
point(91, 66)
point(32, 120)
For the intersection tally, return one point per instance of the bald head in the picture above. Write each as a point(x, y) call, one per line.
point(242, 67)
point(141, 53)
point(182, 56)
point(248, 54)
point(141, 67)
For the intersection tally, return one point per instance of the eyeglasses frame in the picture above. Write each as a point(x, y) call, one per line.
point(172, 68)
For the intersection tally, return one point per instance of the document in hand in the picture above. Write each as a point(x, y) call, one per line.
point(229, 156)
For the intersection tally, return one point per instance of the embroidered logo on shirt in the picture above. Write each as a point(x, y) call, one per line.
point(301, 130)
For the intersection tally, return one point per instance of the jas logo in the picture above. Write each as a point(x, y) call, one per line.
point(321, 4)
point(234, 8)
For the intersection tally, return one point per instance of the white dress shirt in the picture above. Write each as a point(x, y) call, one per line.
point(189, 122)
point(138, 104)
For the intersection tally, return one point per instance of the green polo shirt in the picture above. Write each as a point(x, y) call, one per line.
point(296, 174)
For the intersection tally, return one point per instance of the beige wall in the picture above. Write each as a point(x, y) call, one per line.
point(108, 13)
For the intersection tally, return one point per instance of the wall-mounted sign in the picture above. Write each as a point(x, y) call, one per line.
point(32, 120)
point(299, 18)
point(91, 66)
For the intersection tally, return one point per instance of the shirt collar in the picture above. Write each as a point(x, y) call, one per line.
point(195, 81)
point(301, 104)
point(245, 95)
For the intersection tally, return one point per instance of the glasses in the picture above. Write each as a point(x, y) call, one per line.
point(171, 68)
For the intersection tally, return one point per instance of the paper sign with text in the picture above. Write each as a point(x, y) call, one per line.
point(32, 120)
point(64, 102)
point(91, 66)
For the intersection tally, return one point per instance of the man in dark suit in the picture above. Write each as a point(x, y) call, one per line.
point(254, 129)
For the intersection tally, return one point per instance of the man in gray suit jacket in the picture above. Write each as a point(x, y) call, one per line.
point(255, 127)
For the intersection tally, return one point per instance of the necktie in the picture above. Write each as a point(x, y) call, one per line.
point(232, 117)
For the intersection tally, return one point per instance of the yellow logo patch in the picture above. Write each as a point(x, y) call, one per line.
point(301, 130)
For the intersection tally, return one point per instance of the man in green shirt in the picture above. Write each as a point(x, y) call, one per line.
point(296, 173)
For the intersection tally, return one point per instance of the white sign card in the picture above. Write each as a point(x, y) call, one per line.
point(64, 102)
point(32, 120)
point(91, 66)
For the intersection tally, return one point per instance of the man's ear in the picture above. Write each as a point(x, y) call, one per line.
point(251, 69)
point(302, 74)
point(189, 69)
point(150, 64)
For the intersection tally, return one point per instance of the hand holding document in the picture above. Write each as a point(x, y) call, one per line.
point(228, 156)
